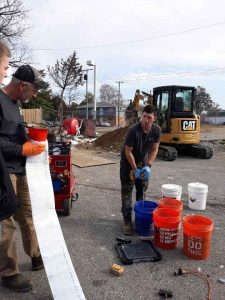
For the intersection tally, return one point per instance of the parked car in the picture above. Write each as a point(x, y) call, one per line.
point(105, 124)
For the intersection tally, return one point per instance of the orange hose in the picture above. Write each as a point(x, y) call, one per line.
point(204, 277)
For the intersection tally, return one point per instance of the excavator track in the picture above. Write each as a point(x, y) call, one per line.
point(201, 150)
point(167, 153)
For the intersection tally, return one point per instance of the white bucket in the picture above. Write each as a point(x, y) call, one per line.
point(197, 194)
point(171, 191)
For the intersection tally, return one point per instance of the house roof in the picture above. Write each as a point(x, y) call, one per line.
point(221, 113)
point(98, 104)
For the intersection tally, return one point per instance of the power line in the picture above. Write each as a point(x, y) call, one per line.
point(163, 76)
point(134, 41)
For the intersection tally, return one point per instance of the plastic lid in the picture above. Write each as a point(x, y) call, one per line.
point(171, 187)
point(198, 186)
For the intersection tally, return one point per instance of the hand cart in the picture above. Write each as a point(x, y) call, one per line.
point(63, 179)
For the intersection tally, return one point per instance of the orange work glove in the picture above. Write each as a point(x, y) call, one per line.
point(32, 149)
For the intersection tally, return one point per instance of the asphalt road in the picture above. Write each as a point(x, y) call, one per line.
point(90, 233)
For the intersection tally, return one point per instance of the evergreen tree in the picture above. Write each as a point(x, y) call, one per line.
point(89, 97)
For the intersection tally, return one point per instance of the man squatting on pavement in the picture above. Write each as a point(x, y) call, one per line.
point(138, 154)
point(15, 147)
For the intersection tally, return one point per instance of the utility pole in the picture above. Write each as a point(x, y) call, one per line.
point(119, 82)
point(93, 64)
point(86, 79)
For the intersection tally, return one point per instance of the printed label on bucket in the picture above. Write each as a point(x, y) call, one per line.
point(166, 237)
point(196, 247)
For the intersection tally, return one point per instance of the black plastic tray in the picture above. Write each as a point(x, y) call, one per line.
point(138, 252)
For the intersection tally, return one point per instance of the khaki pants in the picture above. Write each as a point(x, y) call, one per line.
point(8, 256)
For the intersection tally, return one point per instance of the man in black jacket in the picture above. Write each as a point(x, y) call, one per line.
point(8, 200)
point(15, 147)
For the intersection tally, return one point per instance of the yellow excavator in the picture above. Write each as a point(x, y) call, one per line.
point(180, 125)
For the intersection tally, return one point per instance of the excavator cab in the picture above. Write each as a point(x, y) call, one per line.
point(173, 102)
point(180, 125)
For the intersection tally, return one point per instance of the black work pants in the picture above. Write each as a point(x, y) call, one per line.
point(127, 185)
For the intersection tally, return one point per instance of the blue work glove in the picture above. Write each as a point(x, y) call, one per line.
point(145, 172)
point(137, 173)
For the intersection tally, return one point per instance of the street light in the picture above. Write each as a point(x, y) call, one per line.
point(86, 79)
point(93, 64)
point(119, 82)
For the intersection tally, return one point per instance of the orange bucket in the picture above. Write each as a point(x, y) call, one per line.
point(197, 231)
point(171, 203)
point(38, 134)
point(166, 227)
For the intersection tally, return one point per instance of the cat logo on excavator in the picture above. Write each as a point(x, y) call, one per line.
point(189, 125)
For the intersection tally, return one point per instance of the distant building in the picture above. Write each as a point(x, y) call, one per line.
point(218, 118)
point(106, 114)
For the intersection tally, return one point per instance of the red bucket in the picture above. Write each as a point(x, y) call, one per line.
point(171, 204)
point(197, 236)
point(38, 134)
point(166, 227)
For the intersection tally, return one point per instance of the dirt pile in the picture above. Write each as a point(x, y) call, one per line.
point(112, 140)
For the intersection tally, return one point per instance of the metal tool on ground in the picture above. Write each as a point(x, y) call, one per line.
point(144, 198)
point(165, 294)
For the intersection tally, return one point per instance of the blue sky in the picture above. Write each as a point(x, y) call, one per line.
point(145, 43)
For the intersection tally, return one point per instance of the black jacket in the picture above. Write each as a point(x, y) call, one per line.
point(12, 134)
point(8, 200)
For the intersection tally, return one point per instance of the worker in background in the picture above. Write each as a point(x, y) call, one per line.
point(136, 101)
point(138, 154)
point(15, 148)
point(8, 199)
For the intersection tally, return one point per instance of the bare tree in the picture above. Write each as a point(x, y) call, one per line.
point(213, 111)
point(13, 15)
point(67, 75)
point(108, 93)
point(21, 54)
